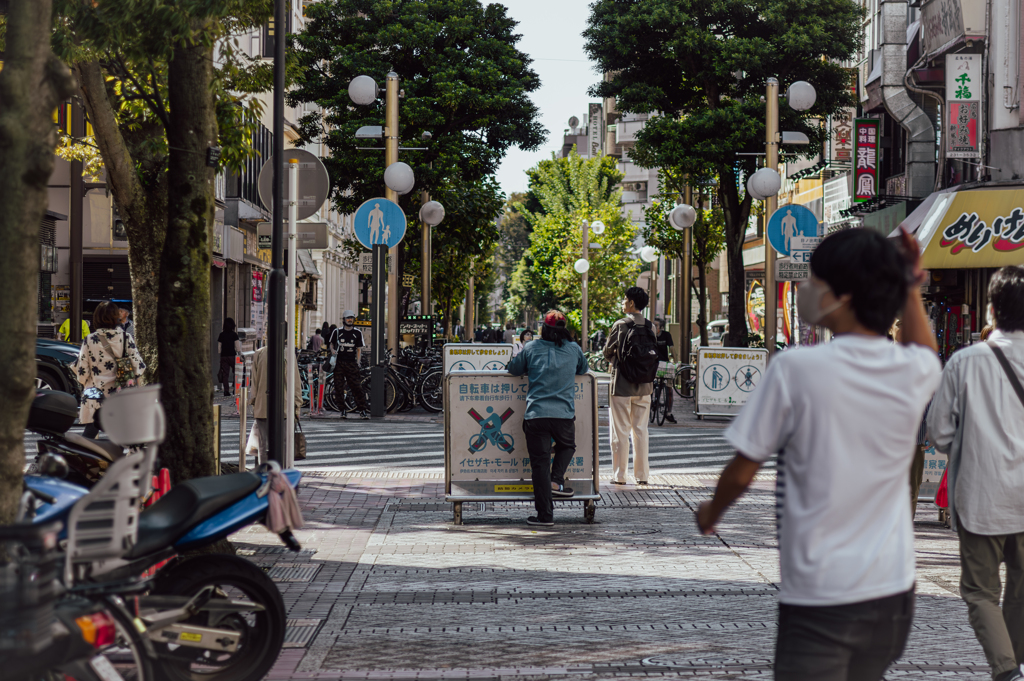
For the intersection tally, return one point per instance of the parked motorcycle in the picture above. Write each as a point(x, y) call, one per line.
point(215, 615)
point(52, 415)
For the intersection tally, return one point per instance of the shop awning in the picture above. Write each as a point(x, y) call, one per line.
point(972, 229)
point(913, 221)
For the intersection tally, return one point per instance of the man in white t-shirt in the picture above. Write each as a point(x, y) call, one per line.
point(843, 419)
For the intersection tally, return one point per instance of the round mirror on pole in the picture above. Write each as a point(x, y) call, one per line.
point(648, 254)
point(597, 227)
point(432, 213)
point(764, 183)
point(582, 266)
point(801, 95)
point(682, 216)
point(362, 90)
point(399, 178)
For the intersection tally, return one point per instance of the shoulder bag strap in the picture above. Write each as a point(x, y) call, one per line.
point(622, 338)
point(1010, 374)
point(109, 349)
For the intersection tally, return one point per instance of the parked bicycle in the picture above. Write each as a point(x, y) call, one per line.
point(659, 398)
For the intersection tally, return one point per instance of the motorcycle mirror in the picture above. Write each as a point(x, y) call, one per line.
point(53, 465)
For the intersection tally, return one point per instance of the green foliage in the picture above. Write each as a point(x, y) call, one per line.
point(702, 65)
point(463, 78)
point(570, 194)
point(555, 171)
point(708, 232)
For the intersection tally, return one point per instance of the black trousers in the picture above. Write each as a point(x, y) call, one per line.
point(226, 373)
point(852, 642)
point(540, 434)
point(348, 372)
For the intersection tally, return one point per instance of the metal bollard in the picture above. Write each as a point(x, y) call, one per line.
point(243, 413)
point(216, 439)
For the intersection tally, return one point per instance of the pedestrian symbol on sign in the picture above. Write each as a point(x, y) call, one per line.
point(716, 378)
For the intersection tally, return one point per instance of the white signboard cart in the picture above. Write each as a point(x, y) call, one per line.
point(726, 377)
point(476, 356)
point(485, 457)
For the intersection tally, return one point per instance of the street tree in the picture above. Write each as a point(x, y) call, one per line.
point(569, 197)
point(32, 83)
point(160, 109)
point(702, 66)
point(707, 241)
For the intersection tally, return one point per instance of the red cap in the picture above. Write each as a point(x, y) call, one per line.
point(554, 319)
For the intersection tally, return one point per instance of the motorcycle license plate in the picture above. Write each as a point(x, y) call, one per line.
point(104, 669)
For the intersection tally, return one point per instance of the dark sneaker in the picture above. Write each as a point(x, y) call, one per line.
point(618, 482)
point(562, 491)
point(344, 414)
point(670, 418)
point(641, 482)
point(365, 415)
point(532, 520)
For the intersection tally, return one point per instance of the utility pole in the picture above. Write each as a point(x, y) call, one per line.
point(471, 306)
point(77, 197)
point(771, 294)
point(276, 320)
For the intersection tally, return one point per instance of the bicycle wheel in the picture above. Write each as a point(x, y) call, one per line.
point(682, 384)
point(329, 401)
point(430, 391)
point(655, 398)
point(389, 394)
point(662, 403)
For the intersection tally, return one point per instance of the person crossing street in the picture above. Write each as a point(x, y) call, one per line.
point(347, 341)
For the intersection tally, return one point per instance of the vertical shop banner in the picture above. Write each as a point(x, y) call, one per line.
point(963, 105)
point(257, 320)
point(865, 167)
point(595, 132)
point(841, 142)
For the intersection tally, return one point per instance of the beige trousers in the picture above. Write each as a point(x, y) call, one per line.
point(629, 417)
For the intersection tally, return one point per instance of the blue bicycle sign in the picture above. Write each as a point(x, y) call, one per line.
point(490, 431)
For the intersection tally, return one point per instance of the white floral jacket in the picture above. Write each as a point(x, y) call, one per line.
point(95, 367)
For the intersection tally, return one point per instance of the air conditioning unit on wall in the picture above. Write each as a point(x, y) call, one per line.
point(634, 186)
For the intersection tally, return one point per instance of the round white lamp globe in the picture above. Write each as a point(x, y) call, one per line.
point(682, 216)
point(648, 254)
point(362, 90)
point(752, 191)
point(399, 178)
point(801, 95)
point(597, 227)
point(432, 213)
point(765, 182)
point(582, 266)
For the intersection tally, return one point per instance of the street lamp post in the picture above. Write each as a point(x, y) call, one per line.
point(800, 97)
point(583, 267)
point(390, 157)
point(771, 294)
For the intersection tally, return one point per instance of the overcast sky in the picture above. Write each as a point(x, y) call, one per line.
point(551, 36)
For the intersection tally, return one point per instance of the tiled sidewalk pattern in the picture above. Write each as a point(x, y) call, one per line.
point(401, 593)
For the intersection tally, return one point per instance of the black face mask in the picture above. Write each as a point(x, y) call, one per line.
point(348, 324)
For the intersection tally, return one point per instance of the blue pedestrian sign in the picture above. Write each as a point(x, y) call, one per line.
point(379, 222)
point(788, 222)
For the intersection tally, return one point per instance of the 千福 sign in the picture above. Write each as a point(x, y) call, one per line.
point(379, 222)
point(476, 356)
point(726, 377)
point(963, 105)
point(789, 223)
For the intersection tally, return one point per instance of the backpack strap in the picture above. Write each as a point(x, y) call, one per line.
point(1010, 373)
point(622, 339)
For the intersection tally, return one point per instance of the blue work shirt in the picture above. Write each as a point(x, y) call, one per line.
point(552, 371)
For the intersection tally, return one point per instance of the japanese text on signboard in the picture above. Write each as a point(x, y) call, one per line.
point(865, 171)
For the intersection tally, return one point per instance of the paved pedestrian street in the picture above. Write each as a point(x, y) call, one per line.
point(388, 588)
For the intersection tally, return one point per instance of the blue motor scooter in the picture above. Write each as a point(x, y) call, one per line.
point(228, 616)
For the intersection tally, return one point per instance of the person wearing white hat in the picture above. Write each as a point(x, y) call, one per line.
point(347, 341)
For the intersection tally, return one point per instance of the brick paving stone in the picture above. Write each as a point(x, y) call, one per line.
point(402, 593)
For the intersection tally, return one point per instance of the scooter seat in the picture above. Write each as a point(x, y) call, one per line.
point(189, 502)
point(105, 448)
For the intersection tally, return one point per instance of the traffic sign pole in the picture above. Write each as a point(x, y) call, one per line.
point(275, 315)
point(771, 294)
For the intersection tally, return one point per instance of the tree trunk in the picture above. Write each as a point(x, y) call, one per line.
point(183, 315)
point(736, 215)
point(33, 82)
point(138, 180)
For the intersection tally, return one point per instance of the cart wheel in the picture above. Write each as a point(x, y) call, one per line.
point(589, 510)
point(457, 512)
